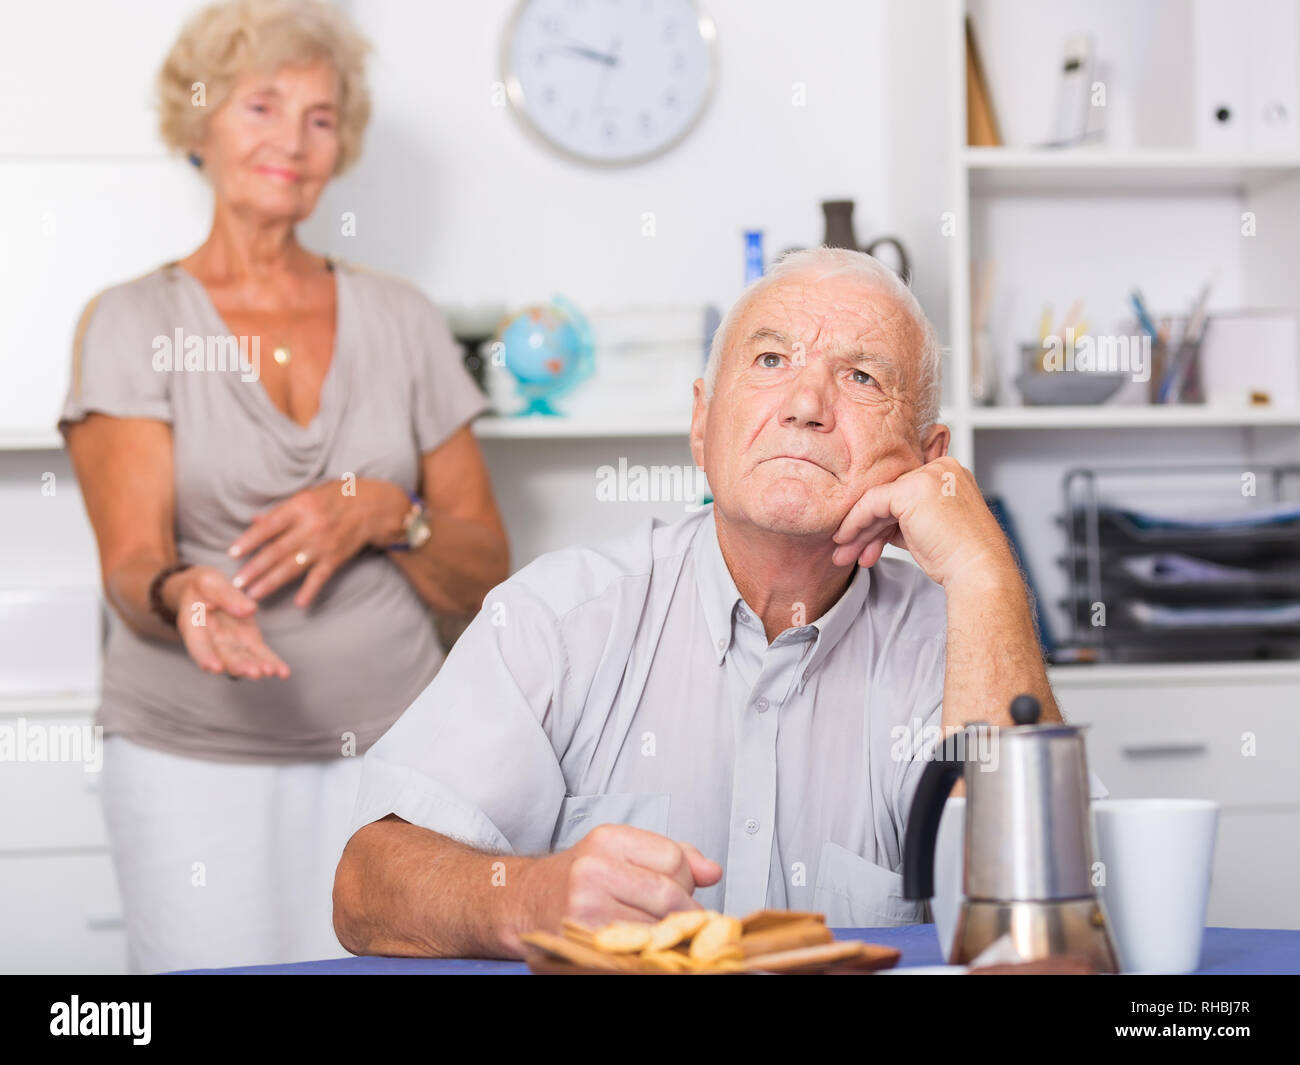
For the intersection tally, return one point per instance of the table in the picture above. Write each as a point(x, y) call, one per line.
point(1225, 951)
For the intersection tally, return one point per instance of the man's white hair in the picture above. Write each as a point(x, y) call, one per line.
point(819, 263)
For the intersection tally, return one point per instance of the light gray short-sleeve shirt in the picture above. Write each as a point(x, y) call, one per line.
point(630, 683)
point(396, 389)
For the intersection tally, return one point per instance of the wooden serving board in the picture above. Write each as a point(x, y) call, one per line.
point(809, 947)
point(841, 956)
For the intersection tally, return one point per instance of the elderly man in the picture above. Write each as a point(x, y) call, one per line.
point(729, 711)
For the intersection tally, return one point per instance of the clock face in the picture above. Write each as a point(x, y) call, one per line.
point(609, 81)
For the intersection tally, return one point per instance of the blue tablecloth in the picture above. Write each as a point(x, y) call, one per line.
point(1224, 951)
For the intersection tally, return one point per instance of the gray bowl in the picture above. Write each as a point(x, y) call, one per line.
point(1068, 387)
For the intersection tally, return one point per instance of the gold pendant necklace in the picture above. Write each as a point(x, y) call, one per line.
point(282, 355)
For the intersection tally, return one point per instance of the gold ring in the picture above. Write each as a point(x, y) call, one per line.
point(301, 558)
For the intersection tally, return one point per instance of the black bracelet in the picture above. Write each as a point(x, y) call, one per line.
point(156, 603)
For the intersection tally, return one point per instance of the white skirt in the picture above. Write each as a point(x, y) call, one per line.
point(221, 863)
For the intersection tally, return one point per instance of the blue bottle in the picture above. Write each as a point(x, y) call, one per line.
point(753, 255)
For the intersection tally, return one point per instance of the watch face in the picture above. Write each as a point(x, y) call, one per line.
point(609, 82)
point(418, 531)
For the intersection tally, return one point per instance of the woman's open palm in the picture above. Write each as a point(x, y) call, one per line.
point(217, 625)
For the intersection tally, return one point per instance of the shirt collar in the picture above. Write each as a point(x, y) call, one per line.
point(719, 596)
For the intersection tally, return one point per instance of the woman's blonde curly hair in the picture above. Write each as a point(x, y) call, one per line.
point(233, 37)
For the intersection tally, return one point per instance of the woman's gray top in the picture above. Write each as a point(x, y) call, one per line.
point(395, 390)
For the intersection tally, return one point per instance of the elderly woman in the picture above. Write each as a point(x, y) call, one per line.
point(277, 534)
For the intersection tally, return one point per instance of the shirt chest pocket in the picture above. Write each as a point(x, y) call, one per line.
point(579, 814)
point(855, 893)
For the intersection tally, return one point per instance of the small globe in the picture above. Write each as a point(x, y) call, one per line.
point(548, 350)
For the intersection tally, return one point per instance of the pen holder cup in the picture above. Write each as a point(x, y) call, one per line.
point(1176, 373)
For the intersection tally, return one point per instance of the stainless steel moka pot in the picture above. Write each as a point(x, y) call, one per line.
point(1027, 869)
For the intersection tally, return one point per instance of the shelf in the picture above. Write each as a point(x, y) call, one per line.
point(30, 440)
point(1131, 417)
point(486, 428)
point(492, 427)
point(1095, 170)
point(1099, 417)
point(13, 704)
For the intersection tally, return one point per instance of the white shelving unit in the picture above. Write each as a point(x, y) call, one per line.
point(1153, 195)
point(1049, 218)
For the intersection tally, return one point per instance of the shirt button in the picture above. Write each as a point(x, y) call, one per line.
point(722, 645)
point(751, 826)
point(742, 615)
point(760, 704)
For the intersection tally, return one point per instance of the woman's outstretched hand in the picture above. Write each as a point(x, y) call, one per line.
point(216, 624)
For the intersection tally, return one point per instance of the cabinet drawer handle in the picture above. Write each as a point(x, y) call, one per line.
point(1163, 750)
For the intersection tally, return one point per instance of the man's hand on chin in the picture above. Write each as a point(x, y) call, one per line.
point(937, 513)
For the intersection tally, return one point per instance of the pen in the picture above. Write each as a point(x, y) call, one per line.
point(1196, 323)
point(1144, 319)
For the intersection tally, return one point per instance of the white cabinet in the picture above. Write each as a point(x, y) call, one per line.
point(50, 805)
point(59, 906)
point(1222, 732)
point(60, 913)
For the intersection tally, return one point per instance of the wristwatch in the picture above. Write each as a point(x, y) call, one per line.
point(415, 526)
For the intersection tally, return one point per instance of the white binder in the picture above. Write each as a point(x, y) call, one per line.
point(1273, 84)
point(1247, 92)
point(1220, 41)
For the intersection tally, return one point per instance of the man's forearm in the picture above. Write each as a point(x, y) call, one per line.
point(993, 650)
point(404, 891)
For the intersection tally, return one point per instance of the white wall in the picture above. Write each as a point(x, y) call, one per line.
point(918, 87)
point(454, 193)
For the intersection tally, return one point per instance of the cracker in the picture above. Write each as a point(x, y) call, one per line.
point(714, 939)
point(622, 937)
point(678, 927)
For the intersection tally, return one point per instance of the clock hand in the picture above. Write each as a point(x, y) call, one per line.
point(584, 52)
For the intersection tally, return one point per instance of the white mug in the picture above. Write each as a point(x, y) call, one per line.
point(1156, 857)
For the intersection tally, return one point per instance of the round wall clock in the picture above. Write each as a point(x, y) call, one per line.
point(609, 81)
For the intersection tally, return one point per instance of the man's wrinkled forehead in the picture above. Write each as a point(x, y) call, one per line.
point(828, 312)
point(834, 315)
